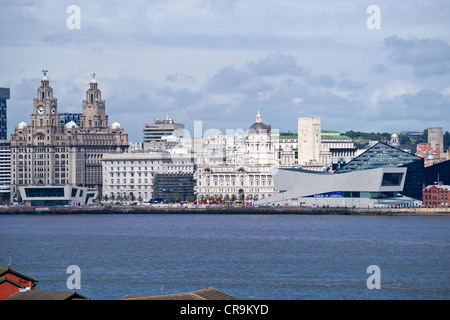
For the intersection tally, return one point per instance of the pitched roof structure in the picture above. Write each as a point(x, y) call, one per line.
point(4, 279)
point(203, 294)
point(6, 270)
point(46, 295)
point(378, 156)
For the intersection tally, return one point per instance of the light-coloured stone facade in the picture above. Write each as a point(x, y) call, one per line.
point(131, 174)
point(44, 152)
point(238, 167)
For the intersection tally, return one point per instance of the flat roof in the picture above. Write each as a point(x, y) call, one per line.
point(4, 93)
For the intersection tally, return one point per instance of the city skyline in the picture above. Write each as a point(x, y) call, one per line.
point(220, 62)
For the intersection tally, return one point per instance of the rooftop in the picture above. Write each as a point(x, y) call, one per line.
point(203, 294)
point(46, 295)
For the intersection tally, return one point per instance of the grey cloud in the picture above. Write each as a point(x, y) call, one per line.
point(322, 81)
point(425, 107)
point(179, 77)
point(227, 79)
point(427, 56)
point(379, 68)
point(276, 64)
point(347, 84)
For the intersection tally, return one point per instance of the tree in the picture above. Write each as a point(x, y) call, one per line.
point(423, 138)
point(446, 140)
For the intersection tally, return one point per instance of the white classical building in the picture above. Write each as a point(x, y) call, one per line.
point(240, 167)
point(132, 175)
point(233, 166)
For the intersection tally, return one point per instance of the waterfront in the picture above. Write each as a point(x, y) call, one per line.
point(277, 256)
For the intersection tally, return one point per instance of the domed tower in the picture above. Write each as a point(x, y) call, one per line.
point(259, 127)
point(394, 140)
point(259, 148)
point(94, 116)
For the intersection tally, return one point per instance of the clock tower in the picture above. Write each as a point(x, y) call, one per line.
point(44, 106)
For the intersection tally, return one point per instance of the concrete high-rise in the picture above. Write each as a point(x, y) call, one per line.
point(156, 134)
point(309, 139)
point(436, 141)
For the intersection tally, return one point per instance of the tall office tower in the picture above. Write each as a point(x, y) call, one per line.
point(309, 140)
point(436, 141)
point(4, 95)
point(5, 150)
point(47, 153)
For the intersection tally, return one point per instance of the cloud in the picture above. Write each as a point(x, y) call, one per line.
point(276, 64)
point(379, 68)
point(178, 9)
point(227, 79)
point(427, 56)
point(394, 89)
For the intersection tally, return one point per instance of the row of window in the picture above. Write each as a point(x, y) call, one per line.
point(433, 197)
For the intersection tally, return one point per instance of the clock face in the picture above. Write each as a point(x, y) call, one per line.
point(53, 110)
point(40, 110)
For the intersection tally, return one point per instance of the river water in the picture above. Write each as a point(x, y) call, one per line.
point(261, 257)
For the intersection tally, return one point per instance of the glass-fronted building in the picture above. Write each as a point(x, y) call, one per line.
point(384, 156)
point(65, 118)
point(43, 196)
point(4, 95)
point(5, 148)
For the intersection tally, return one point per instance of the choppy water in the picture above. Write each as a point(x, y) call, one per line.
point(283, 257)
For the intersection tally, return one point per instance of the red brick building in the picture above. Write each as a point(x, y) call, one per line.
point(12, 281)
point(437, 195)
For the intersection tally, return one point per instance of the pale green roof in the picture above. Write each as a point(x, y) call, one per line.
point(335, 137)
point(330, 131)
point(288, 136)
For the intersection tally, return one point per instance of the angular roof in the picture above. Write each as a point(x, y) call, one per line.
point(438, 186)
point(203, 294)
point(6, 270)
point(3, 279)
point(378, 156)
point(46, 295)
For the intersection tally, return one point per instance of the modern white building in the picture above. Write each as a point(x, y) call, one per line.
point(57, 195)
point(380, 187)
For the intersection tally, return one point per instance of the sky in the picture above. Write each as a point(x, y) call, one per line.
point(222, 61)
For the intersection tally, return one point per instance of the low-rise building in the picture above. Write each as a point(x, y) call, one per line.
point(12, 282)
point(47, 196)
point(436, 195)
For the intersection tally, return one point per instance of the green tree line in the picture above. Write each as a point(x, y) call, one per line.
point(386, 136)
